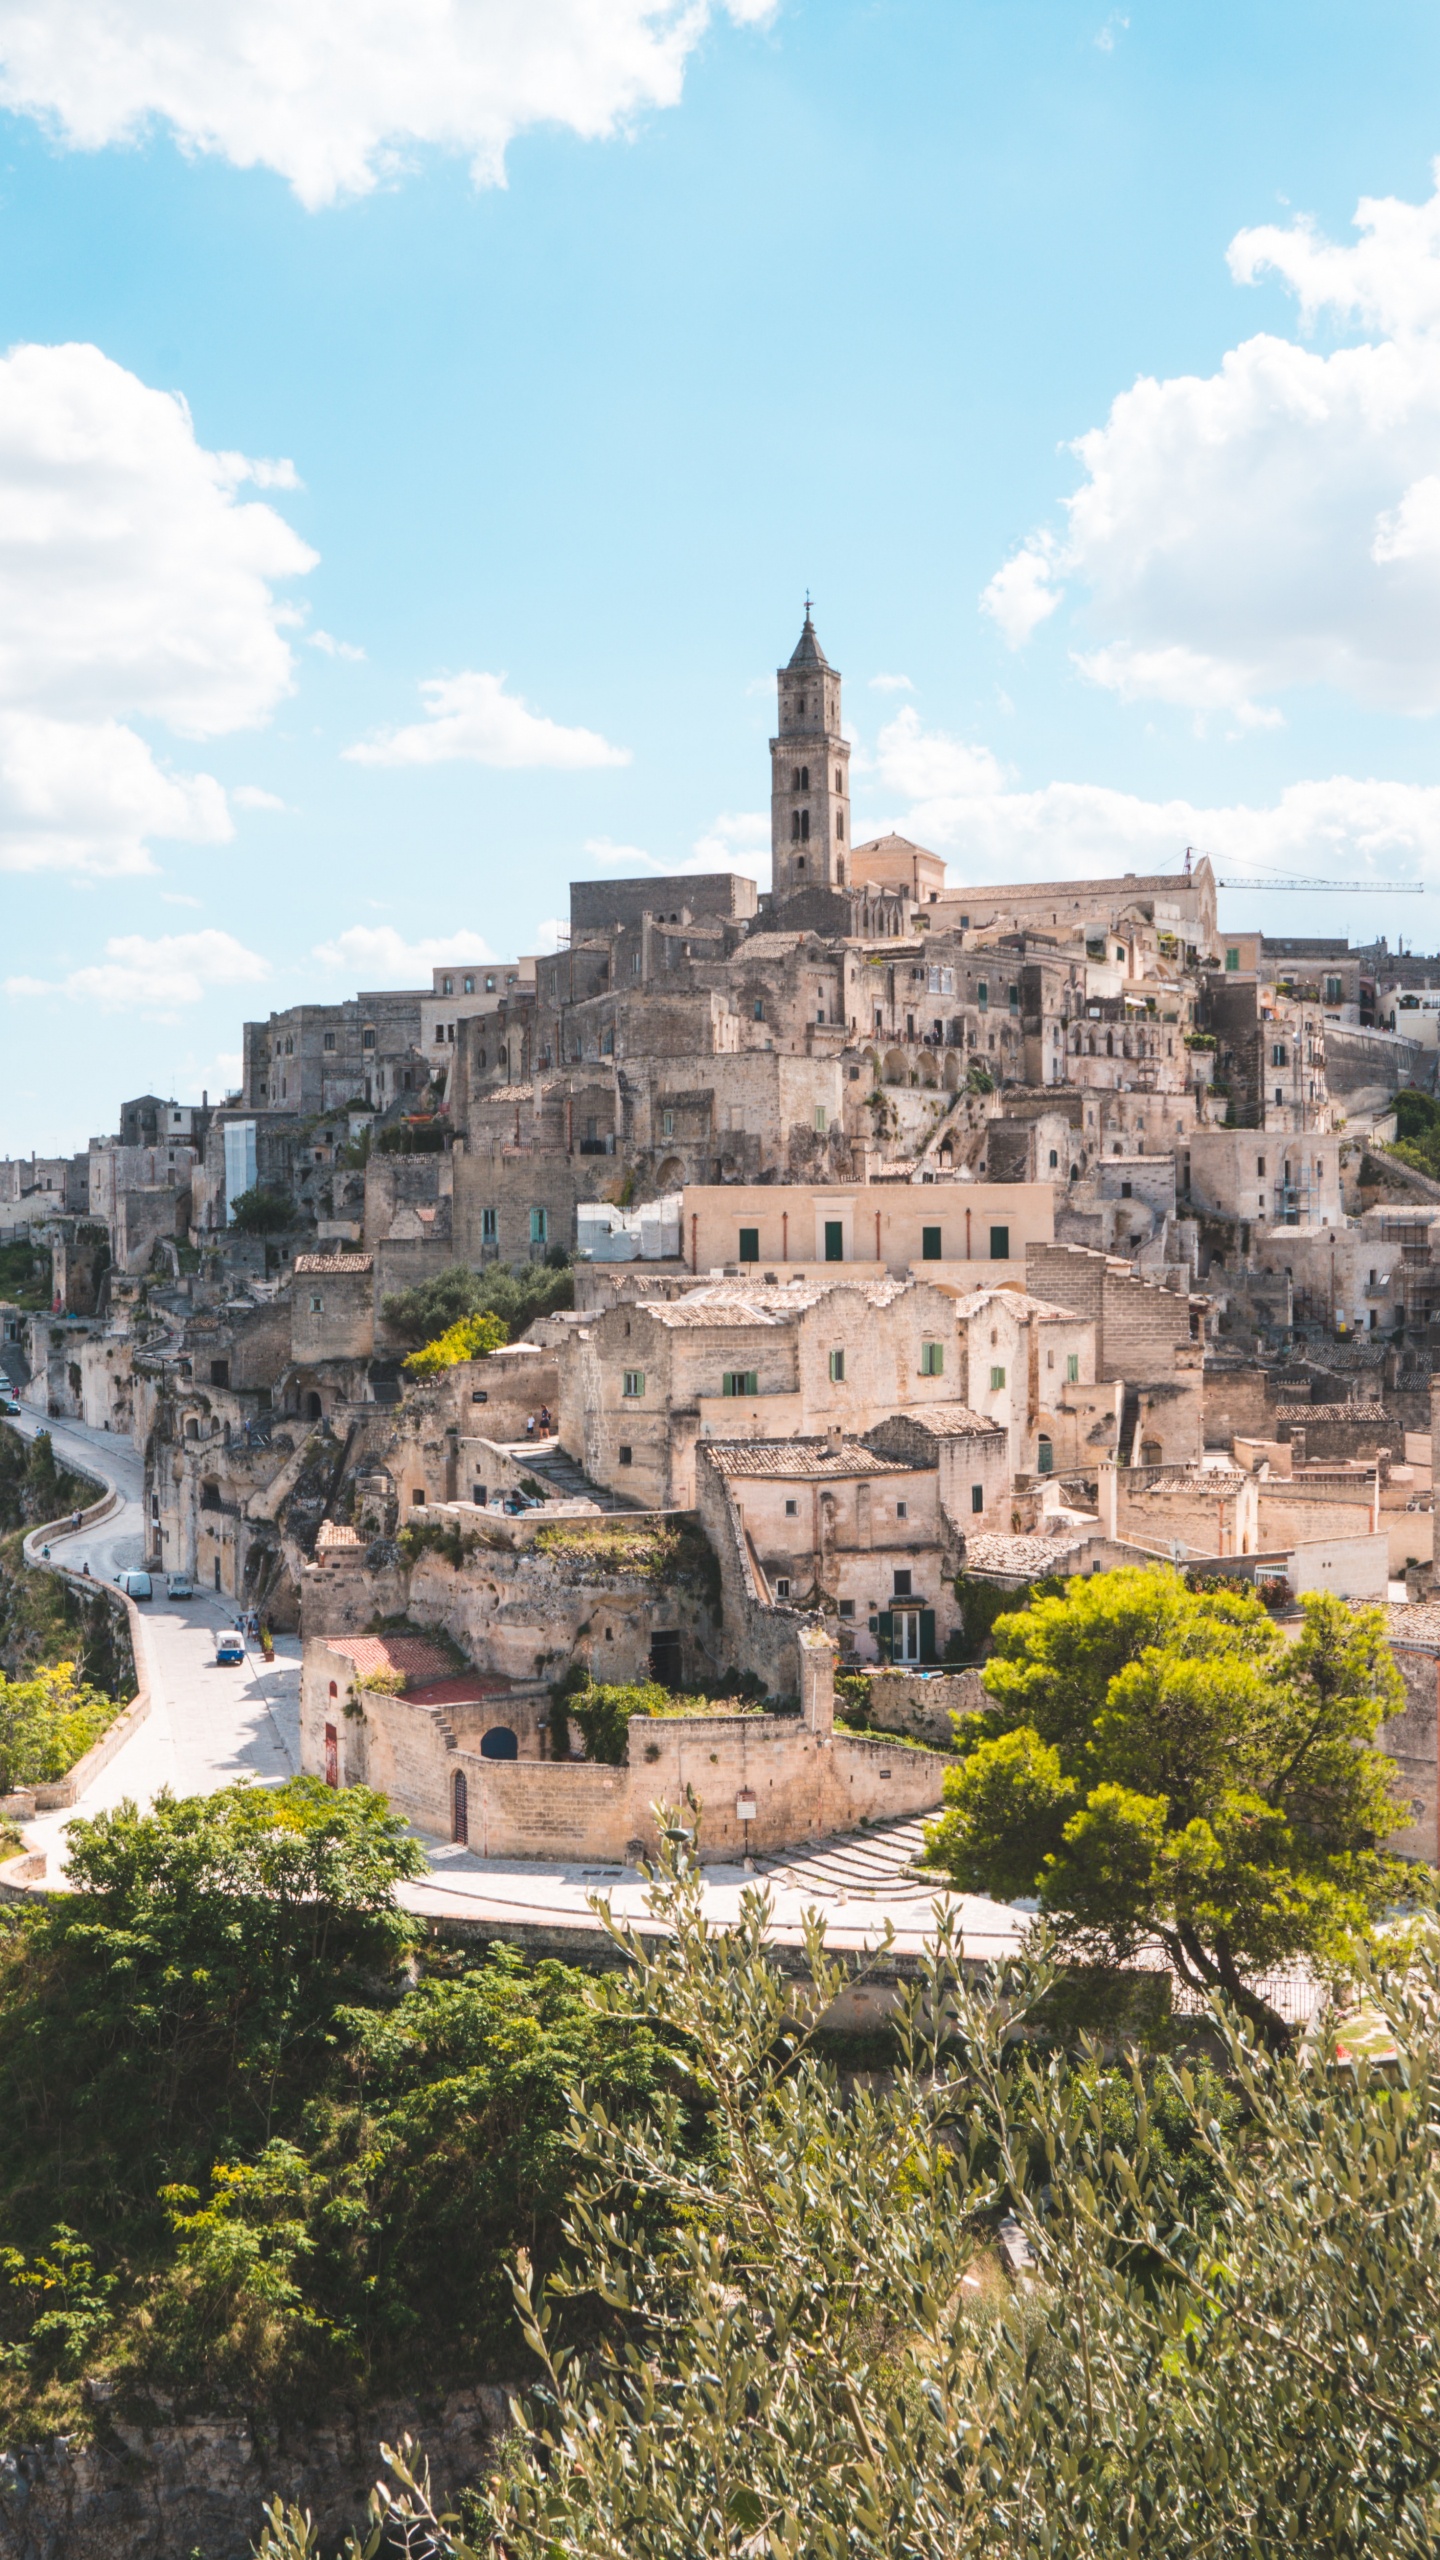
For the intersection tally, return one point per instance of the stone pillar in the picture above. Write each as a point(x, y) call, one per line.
point(817, 1681)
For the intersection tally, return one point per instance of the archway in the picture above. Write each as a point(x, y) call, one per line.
point(1151, 1454)
point(313, 1407)
point(460, 1809)
point(500, 1743)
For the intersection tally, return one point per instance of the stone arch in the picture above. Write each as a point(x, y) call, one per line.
point(671, 1174)
point(929, 1073)
point(952, 1072)
point(500, 1743)
point(896, 1070)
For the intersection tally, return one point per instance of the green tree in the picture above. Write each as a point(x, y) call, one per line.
point(1157, 1763)
point(806, 2350)
point(47, 1723)
point(262, 1212)
point(420, 1315)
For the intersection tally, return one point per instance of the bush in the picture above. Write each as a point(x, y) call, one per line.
point(47, 1723)
point(470, 1339)
point(603, 1712)
point(422, 1314)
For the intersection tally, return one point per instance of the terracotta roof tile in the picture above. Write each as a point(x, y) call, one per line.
point(785, 1458)
point(415, 1656)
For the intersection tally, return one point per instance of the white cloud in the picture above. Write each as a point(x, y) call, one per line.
point(333, 93)
point(248, 795)
point(330, 647)
point(154, 976)
point(551, 934)
point(1275, 523)
point(1023, 594)
point(1114, 25)
point(89, 796)
point(375, 955)
point(134, 584)
point(962, 803)
point(472, 717)
point(738, 840)
point(891, 684)
point(926, 765)
point(602, 849)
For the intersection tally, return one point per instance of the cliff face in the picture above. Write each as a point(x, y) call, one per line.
point(196, 2488)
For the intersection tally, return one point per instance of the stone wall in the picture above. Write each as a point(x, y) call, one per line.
point(904, 1702)
point(180, 2487)
point(1411, 1739)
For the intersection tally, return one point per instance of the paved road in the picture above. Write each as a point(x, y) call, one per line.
point(207, 1725)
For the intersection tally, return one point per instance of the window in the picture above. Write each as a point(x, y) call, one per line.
point(469, 986)
point(1072, 1368)
point(740, 1382)
point(759, 1009)
point(840, 826)
point(625, 1454)
point(479, 1395)
point(902, 1510)
point(667, 1124)
point(982, 995)
point(999, 1244)
point(489, 986)
point(1054, 1158)
point(847, 1608)
point(317, 1305)
point(1260, 1164)
point(804, 826)
point(834, 1240)
point(782, 1586)
point(749, 1244)
point(930, 1251)
point(634, 1382)
point(837, 1367)
point(539, 1225)
point(418, 1496)
point(1232, 959)
point(932, 1359)
point(480, 1496)
point(1044, 1455)
point(792, 1510)
point(367, 1038)
point(977, 1497)
point(489, 1226)
point(997, 1382)
point(820, 1110)
point(1014, 999)
point(1334, 990)
point(903, 1584)
point(447, 986)
point(839, 779)
point(329, 1039)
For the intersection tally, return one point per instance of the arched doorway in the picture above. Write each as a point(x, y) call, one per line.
point(460, 1809)
point(1151, 1453)
point(312, 1407)
point(499, 1743)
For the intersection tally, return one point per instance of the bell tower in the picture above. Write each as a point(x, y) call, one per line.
point(809, 775)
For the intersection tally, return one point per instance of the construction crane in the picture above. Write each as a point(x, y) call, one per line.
point(1296, 880)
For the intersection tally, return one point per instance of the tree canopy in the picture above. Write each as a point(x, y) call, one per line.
point(261, 1212)
point(1157, 1762)
point(1223, 2343)
point(422, 1314)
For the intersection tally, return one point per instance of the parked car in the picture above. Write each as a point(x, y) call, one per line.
point(229, 1646)
point(8, 1407)
point(180, 1586)
point(136, 1586)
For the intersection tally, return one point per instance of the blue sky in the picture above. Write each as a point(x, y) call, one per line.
point(823, 293)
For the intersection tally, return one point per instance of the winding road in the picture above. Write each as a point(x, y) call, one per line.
point(207, 1725)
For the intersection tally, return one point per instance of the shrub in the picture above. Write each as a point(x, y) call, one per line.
point(47, 1723)
point(469, 1339)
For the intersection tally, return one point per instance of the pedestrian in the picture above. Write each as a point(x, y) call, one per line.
point(85, 1568)
point(74, 1519)
point(546, 1425)
point(45, 1555)
point(529, 1426)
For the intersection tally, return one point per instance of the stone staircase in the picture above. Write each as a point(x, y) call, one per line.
point(863, 1866)
point(546, 1461)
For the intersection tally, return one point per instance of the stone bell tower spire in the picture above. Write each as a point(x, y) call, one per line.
point(809, 775)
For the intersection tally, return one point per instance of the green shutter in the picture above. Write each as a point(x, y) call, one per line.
point(749, 1244)
point(999, 1244)
point(927, 1635)
point(885, 1630)
point(930, 1245)
point(834, 1240)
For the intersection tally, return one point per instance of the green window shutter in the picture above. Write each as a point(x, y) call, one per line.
point(749, 1244)
point(930, 1245)
point(997, 1381)
point(932, 1359)
point(927, 1635)
point(752, 1382)
point(834, 1240)
point(1072, 1368)
point(999, 1244)
point(885, 1630)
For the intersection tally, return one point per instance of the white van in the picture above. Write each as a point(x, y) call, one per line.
point(136, 1586)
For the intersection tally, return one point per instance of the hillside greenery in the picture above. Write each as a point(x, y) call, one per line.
point(256, 2141)
point(1218, 2344)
